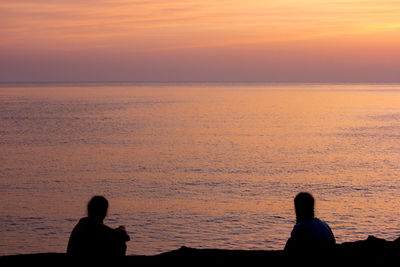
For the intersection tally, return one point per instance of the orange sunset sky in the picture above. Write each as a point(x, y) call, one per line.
point(218, 40)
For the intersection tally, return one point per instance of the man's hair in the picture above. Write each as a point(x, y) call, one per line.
point(97, 207)
point(304, 206)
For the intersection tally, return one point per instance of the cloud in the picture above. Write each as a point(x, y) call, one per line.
point(189, 23)
point(233, 31)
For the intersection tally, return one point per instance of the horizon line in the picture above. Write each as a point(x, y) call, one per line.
point(195, 81)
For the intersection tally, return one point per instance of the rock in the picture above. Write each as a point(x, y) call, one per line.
point(372, 251)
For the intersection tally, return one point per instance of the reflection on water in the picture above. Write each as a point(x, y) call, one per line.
point(201, 165)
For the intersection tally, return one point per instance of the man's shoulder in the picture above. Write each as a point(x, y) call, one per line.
point(321, 222)
point(82, 224)
point(83, 220)
point(310, 224)
point(315, 221)
point(85, 224)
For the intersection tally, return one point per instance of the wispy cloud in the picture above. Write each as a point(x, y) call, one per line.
point(284, 29)
point(188, 22)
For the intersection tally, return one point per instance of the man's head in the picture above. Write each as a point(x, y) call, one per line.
point(97, 208)
point(304, 206)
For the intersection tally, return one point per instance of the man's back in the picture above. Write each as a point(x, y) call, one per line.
point(310, 236)
point(94, 239)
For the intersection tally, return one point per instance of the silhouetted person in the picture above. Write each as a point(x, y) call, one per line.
point(90, 238)
point(310, 236)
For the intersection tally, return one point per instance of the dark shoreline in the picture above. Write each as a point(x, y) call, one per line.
point(371, 251)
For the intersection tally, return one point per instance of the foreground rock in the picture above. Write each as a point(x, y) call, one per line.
point(372, 251)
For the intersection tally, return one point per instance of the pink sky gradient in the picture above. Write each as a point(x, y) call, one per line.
point(122, 40)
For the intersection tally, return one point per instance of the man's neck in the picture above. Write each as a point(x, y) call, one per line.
point(302, 219)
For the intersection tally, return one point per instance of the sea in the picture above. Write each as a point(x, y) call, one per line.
point(203, 165)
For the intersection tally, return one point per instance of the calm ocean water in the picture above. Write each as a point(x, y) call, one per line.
point(200, 165)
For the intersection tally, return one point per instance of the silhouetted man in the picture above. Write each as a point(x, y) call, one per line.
point(90, 238)
point(310, 236)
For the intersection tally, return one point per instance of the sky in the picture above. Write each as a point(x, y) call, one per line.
point(207, 40)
